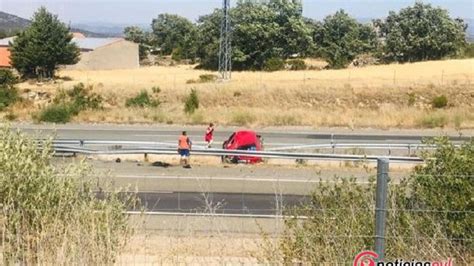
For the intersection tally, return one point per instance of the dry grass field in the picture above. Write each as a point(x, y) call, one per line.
point(386, 96)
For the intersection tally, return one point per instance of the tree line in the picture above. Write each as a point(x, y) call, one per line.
point(262, 32)
point(264, 35)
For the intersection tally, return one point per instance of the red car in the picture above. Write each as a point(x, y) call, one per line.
point(243, 140)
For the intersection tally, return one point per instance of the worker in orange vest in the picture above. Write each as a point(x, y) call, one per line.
point(184, 146)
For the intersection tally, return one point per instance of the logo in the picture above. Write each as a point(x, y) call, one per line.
point(365, 258)
point(369, 258)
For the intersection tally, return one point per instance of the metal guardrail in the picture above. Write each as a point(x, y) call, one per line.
point(386, 146)
point(220, 152)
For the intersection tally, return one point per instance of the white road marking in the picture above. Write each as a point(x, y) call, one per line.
point(250, 179)
point(253, 216)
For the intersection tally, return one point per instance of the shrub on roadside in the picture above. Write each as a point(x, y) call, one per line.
point(297, 64)
point(142, 100)
point(433, 120)
point(51, 215)
point(411, 99)
point(68, 104)
point(191, 103)
point(440, 102)
point(8, 96)
point(56, 113)
point(274, 64)
point(286, 120)
point(243, 118)
point(429, 215)
point(445, 183)
point(83, 98)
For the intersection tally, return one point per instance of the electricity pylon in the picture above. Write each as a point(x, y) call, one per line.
point(225, 47)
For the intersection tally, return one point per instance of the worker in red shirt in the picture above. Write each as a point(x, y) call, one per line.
point(209, 137)
point(184, 146)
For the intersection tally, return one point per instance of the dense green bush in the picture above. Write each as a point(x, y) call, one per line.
point(56, 113)
point(191, 102)
point(143, 99)
point(274, 64)
point(297, 64)
point(8, 92)
point(440, 102)
point(68, 104)
point(8, 96)
point(7, 77)
point(445, 184)
point(429, 215)
point(82, 98)
point(51, 215)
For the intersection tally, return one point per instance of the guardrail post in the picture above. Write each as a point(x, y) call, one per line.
point(146, 157)
point(332, 144)
point(409, 150)
point(380, 205)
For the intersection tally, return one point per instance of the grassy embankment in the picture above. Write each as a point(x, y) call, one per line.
point(387, 96)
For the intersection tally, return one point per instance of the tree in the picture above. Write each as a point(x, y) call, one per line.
point(45, 44)
point(208, 28)
point(295, 33)
point(255, 36)
point(261, 31)
point(175, 33)
point(137, 35)
point(341, 38)
point(421, 32)
point(8, 91)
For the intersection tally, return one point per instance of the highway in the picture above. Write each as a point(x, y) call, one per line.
point(218, 203)
point(253, 190)
point(275, 136)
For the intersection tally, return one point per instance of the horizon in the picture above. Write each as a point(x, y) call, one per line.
point(72, 11)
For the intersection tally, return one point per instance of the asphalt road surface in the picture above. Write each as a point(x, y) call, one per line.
point(219, 203)
point(271, 136)
point(226, 179)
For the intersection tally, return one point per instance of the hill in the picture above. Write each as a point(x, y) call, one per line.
point(10, 24)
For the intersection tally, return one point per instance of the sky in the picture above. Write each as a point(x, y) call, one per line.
point(143, 11)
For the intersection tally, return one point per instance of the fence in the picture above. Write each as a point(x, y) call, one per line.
point(244, 217)
point(243, 226)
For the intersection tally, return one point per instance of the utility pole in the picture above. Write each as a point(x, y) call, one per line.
point(380, 205)
point(225, 47)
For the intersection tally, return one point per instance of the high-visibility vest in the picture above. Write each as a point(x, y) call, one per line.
point(183, 142)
